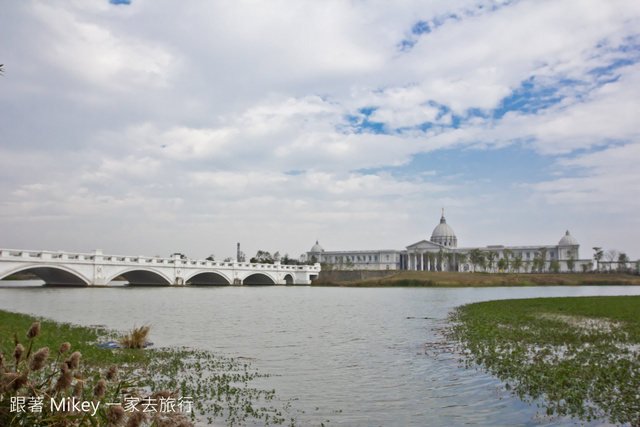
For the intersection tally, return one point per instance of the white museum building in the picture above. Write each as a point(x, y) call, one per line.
point(441, 252)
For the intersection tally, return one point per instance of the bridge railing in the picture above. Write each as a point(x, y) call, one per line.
point(97, 256)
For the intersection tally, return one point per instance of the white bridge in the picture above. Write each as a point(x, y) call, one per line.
point(97, 269)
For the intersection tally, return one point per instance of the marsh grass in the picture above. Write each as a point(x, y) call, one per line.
point(410, 278)
point(575, 357)
point(136, 338)
point(216, 387)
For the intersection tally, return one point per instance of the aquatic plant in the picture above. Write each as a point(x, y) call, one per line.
point(576, 357)
point(136, 338)
point(200, 385)
point(36, 390)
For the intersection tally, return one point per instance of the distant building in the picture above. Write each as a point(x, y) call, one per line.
point(441, 252)
point(386, 259)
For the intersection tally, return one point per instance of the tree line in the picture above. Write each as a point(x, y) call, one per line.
point(612, 261)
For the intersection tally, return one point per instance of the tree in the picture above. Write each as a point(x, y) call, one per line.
point(326, 266)
point(211, 257)
point(483, 261)
point(535, 265)
point(450, 263)
point(554, 265)
point(508, 255)
point(431, 256)
point(597, 256)
point(502, 264)
point(348, 264)
point(611, 255)
point(491, 256)
point(440, 259)
point(623, 259)
point(542, 264)
point(461, 258)
point(476, 258)
point(517, 262)
point(1, 69)
point(571, 262)
point(263, 257)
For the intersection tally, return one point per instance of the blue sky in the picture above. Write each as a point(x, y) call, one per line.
point(150, 127)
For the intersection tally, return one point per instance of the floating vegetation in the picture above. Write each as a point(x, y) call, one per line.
point(219, 385)
point(577, 357)
point(44, 382)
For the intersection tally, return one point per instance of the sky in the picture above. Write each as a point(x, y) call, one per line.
point(145, 127)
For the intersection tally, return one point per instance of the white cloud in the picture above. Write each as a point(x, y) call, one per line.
point(94, 53)
point(601, 179)
point(210, 120)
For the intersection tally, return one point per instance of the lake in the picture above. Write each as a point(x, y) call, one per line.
point(353, 356)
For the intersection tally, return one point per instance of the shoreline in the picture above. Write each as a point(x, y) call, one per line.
point(406, 278)
point(417, 279)
point(572, 356)
point(144, 371)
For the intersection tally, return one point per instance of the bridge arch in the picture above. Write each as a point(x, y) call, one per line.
point(53, 276)
point(258, 279)
point(210, 278)
point(289, 280)
point(143, 277)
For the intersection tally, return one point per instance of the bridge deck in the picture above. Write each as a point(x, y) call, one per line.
point(96, 268)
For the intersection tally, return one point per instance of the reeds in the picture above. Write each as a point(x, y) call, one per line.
point(137, 338)
point(55, 381)
point(37, 360)
point(34, 330)
point(213, 386)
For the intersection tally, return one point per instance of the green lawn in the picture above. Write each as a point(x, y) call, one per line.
point(574, 357)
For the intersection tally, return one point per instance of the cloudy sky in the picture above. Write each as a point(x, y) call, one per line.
point(148, 127)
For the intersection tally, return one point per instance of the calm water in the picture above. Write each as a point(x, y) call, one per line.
point(358, 351)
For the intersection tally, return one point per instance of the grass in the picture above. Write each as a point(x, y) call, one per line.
point(577, 357)
point(217, 386)
point(136, 338)
point(409, 278)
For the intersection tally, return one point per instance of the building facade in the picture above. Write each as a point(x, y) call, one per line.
point(441, 253)
point(386, 259)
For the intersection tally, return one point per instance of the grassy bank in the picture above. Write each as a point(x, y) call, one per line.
point(217, 387)
point(575, 357)
point(451, 278)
